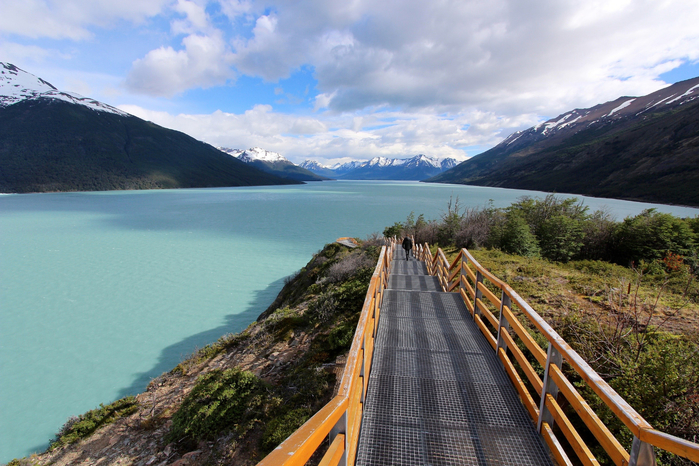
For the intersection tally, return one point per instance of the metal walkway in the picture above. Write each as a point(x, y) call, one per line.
point(437, 392)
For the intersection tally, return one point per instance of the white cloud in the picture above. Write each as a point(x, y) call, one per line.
point(203, 62)
point(19, 53)
point(196, 20)
point(505, 55)
point(71, 19)
point(329, 138)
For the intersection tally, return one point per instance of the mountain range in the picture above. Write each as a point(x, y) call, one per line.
point(640, 148)
point(58, 141)
point(274, 163)
point(415, 168)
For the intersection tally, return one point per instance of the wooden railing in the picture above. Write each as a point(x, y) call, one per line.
point(340, 420)
point(497, 317)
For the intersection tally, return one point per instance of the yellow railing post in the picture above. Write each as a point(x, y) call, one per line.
point(503, 324)
point(553, 356)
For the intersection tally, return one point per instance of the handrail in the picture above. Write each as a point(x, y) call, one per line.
point(340, 419)
point(472, 286)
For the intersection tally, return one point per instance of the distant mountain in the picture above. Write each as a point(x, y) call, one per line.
point(274, 163)
point(318, 169)
point(382, 168)
point(59, 141)
point(643, 148)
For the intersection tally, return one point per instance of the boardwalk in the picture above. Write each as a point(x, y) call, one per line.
point(437, 392)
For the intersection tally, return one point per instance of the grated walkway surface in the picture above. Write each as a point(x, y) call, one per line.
point(437, 392)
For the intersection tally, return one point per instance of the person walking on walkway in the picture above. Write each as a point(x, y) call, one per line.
point(407, 245)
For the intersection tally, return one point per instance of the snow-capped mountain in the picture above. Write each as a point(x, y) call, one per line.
point(52, 140)
point(16, 85)
point(342, 168)
point(312, 165)
point(600, 116)
point(641, 148)
point(253, 154)
point(383, 168)
point(273, 162)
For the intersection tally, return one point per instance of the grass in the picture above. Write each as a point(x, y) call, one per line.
point(591, 286)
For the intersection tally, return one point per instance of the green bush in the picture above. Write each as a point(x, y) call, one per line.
point(83, 426)
point(649, 235)
point(395, 230)
point(220, 401)
point(282, 426)
point(340, 337)
point(517, 237)
point(560, 238)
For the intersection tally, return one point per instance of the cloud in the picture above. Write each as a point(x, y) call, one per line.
point(505, 55)
point(71, 19)
point(19, 53)
point(329, 138)
point(195, 18)
point(203, 62)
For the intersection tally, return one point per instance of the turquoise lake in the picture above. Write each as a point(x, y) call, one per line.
point(101, 292)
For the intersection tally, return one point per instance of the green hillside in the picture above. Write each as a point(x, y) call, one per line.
point(50, 145)
point(287, 169)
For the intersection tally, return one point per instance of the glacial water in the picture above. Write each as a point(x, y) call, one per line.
point(101, 292)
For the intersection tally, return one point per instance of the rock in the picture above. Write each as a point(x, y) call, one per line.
point(191, 454)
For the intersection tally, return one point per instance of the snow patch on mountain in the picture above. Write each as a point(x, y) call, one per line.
point(16, 85)
point(621, 107)
point(384, 166)
point(313, 165)
point(689, 92)
point(254, 153)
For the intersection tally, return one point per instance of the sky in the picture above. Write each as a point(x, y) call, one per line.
point(340, 80)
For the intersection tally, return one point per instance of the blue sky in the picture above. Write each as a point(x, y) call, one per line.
point(340, 80)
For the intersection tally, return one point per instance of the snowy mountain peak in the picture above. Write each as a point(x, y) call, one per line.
point(414, 168)
point(254, 153)
point(380, 162)
point(313, 165)
point(16, 85)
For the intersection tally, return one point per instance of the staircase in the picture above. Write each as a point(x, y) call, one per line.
point(437, 392)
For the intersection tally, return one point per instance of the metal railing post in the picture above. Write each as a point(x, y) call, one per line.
point(341, 428)
point(503, 323)
point(553, 356)
point(642, 453)
point(478, 294)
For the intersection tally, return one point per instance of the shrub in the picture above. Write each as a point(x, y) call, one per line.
point(281, 427)
point(220, 401)
point(649, 235)
point(517, 238)
point(349, 265)
point(83, 426)
point(598, 231)
point(560, 238)
point(475, 228)
point(395, 230)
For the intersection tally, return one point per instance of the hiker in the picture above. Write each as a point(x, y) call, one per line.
point(407, 245)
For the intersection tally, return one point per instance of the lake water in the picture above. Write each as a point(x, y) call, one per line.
point(101, 292)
